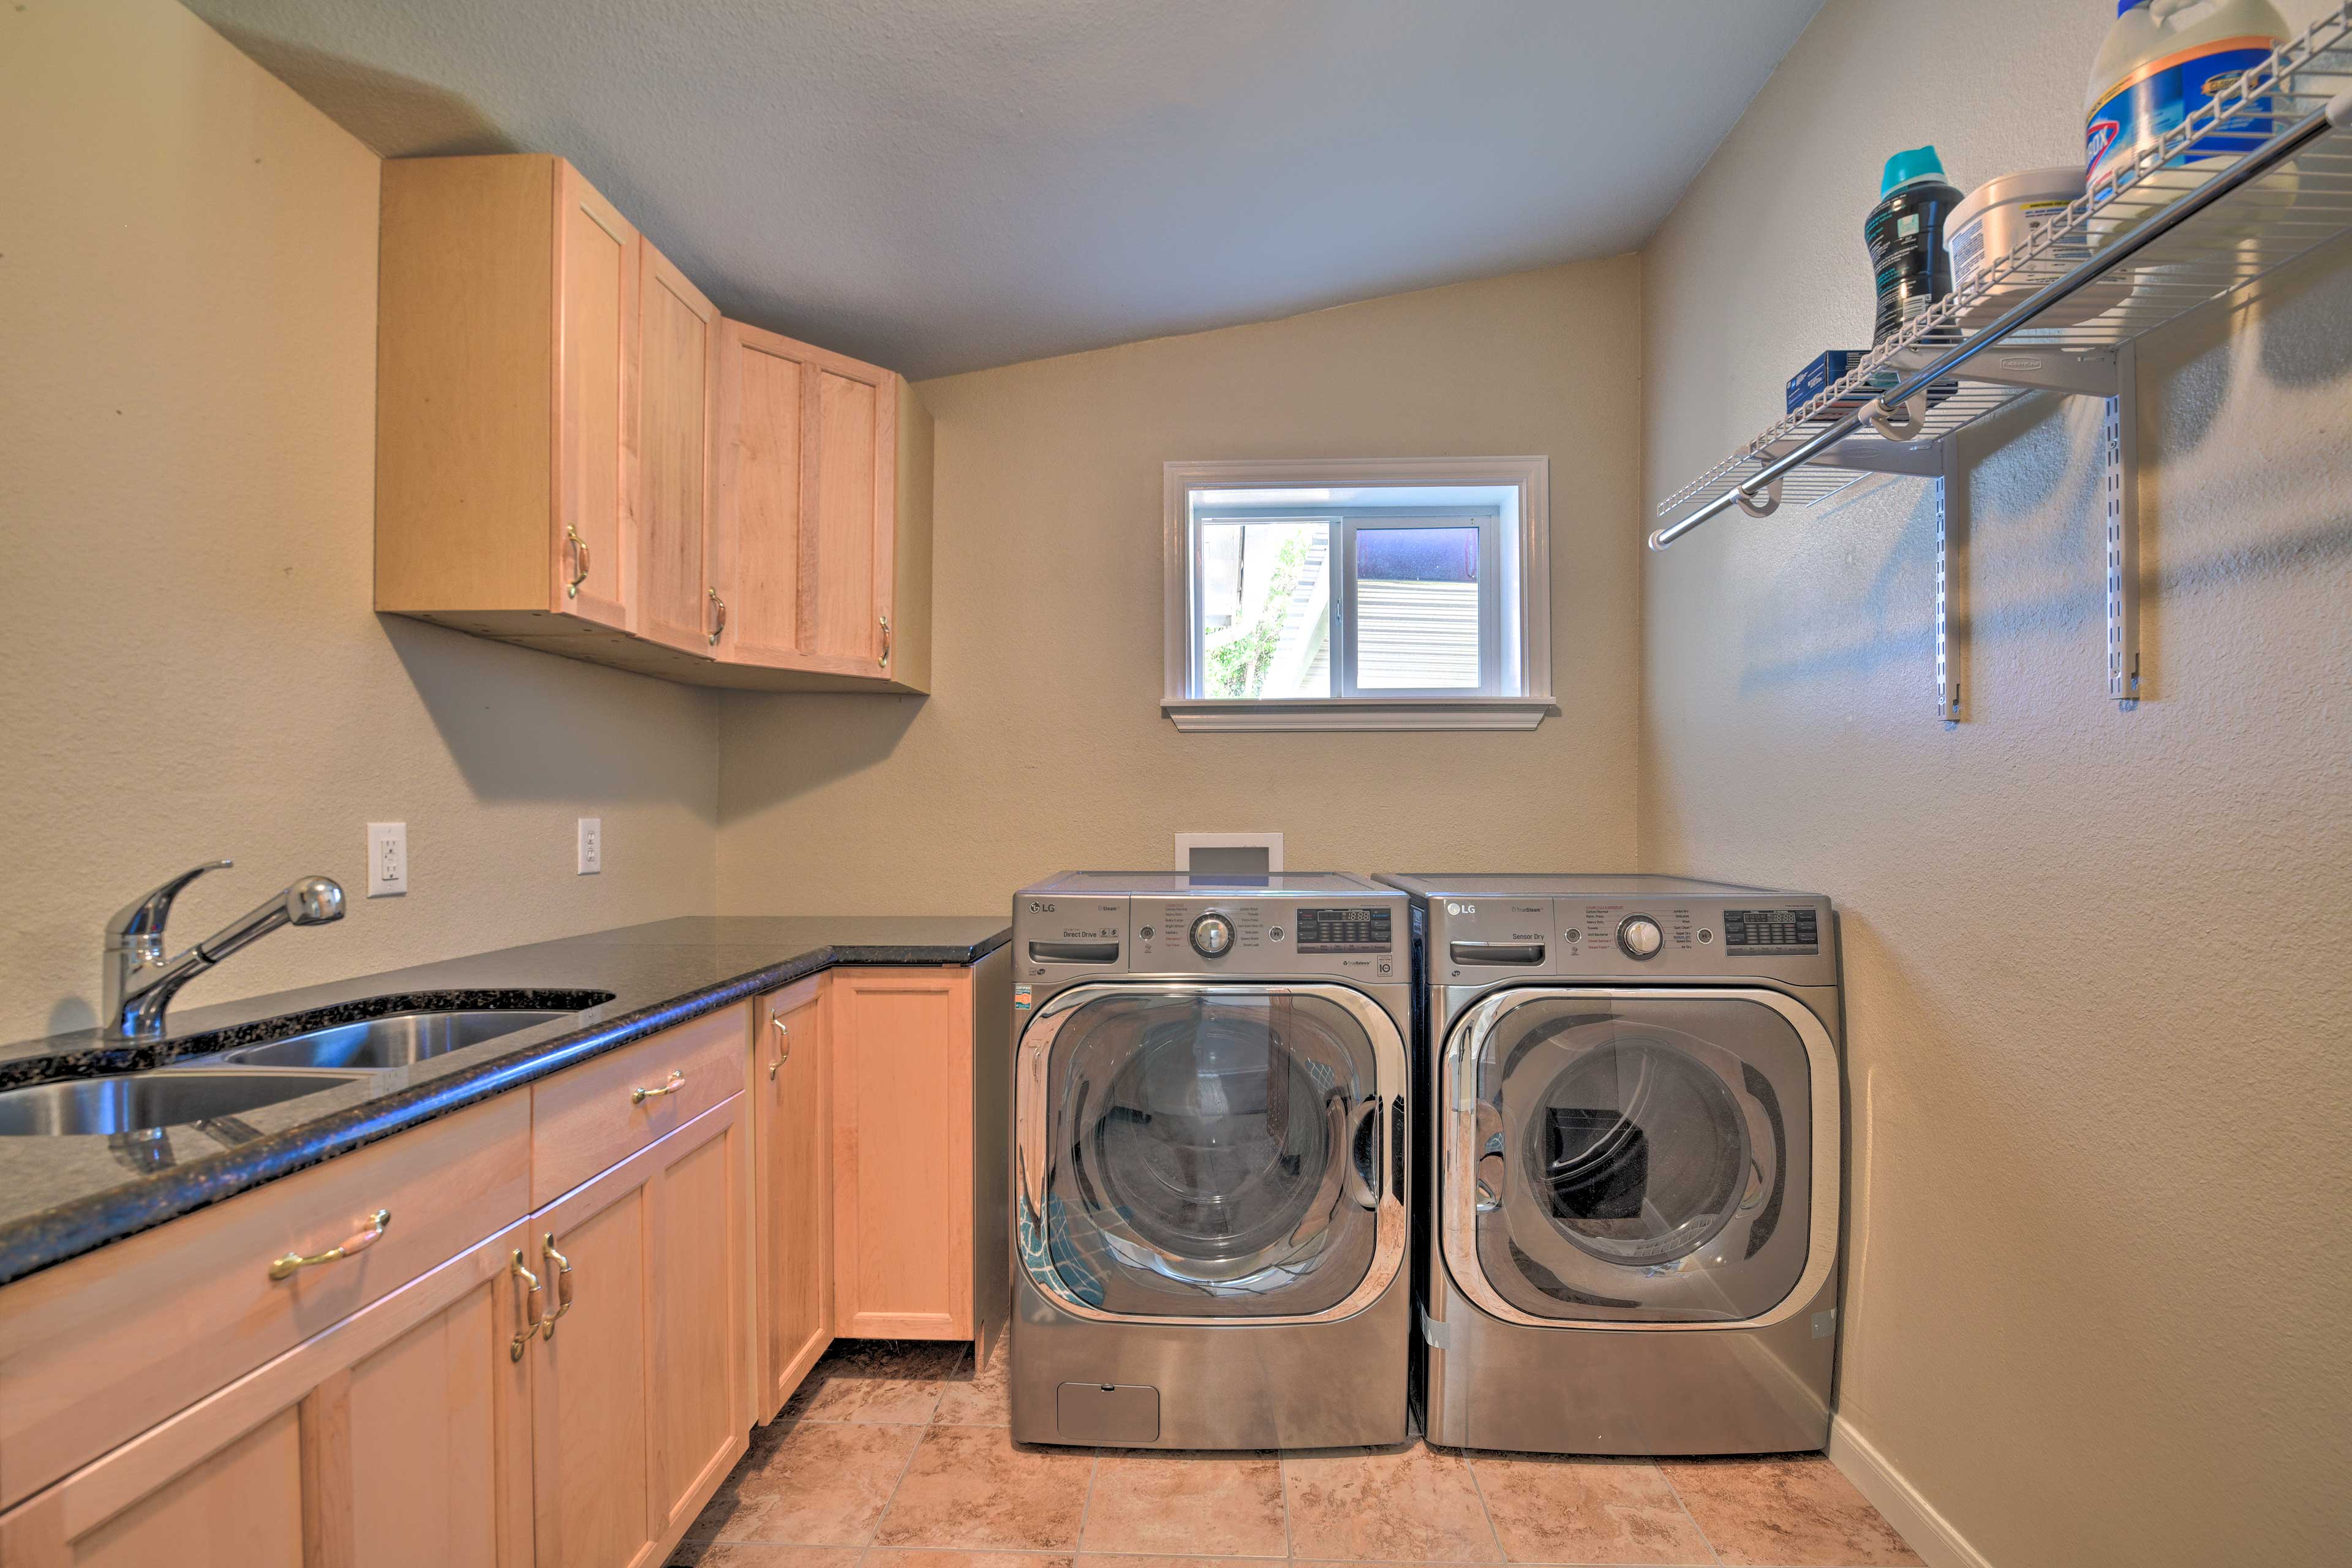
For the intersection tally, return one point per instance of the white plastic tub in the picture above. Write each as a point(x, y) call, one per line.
point(2001, 218)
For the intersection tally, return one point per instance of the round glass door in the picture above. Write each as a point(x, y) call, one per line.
point(1638, 1157)
point(1212, 1152)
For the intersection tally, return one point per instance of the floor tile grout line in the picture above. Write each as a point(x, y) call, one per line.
point(1085, 1508)
point(1683, 1504)
point(874, 1532)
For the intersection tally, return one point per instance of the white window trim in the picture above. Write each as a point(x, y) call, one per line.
point(1532, 478)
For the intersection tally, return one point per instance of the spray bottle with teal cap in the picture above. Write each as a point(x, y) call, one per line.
point(1905, 232)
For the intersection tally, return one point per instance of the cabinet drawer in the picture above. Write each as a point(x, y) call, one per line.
point(99, 1350)
point(593, 1117)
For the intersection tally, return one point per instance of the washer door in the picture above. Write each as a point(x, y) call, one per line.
point(1193, 1152)
point(1632, 1155)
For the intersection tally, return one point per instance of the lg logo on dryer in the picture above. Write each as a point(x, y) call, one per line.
point(1453, 908)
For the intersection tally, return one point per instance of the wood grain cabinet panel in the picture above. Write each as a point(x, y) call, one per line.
point(575, 453)
point(101, 1348)
point(506, 396)
point(792, 1099)
point(821, 523)
point(397, 1436)
point(639, 1389)
point(677, 601)
point(902, 1153)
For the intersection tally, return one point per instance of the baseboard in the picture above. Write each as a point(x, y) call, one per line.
point(1890, 1492)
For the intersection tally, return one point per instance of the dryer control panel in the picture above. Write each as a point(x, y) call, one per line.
point(1788, 937)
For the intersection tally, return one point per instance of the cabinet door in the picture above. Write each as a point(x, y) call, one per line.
point(638, 1403)
point(397, 1436)
point(676, 377)
point(902, 1153)
point(755, 537)
point(596, 268)
point(850, 511)
point(791, 1096)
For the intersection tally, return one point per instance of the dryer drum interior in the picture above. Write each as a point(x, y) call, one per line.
point(1636, 1157)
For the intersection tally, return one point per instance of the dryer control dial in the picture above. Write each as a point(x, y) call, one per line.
point(1639, 937)
point(1213, 936)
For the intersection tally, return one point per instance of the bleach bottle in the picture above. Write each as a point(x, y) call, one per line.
point(2162, 62)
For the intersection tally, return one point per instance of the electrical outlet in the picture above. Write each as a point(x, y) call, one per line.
point(387, 859)
point(591, 846)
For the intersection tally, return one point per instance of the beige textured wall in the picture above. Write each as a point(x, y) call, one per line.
point(2098, 964)
point(1042, 745)
point(187, 368)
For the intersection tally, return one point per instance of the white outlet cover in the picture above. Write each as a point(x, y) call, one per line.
point(591, 846)
point(387, 873)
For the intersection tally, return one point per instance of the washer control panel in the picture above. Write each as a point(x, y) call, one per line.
point(1239, 934)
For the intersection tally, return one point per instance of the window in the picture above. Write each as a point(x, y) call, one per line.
point(1373, 595)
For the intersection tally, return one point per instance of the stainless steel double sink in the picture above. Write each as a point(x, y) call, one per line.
point(246, 1078)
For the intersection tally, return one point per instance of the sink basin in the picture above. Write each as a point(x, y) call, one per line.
point(167, 1096)
point(395, 1040)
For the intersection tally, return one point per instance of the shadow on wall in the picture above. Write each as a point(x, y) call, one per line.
point(396, 116)
point(524, 725)
point(2037, 522)
point(782, 747)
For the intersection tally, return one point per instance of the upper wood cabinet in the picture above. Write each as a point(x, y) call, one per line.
point(575, 453)
point(506, 396)
point(822, 530)
point(677, 362)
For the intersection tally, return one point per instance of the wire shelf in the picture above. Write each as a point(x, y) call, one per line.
point(2149, 243)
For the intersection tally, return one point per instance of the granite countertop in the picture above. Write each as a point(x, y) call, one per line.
point(62, 1196)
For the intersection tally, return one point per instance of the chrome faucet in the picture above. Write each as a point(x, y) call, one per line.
point(141, 982)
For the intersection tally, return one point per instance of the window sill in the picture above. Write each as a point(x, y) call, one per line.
point(1219, 715)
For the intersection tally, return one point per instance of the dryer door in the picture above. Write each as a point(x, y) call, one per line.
point(1634, 1156)
point(1198, 1152)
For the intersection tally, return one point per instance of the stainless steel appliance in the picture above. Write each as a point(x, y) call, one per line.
point(1210, 1207)
point(1632, 1098)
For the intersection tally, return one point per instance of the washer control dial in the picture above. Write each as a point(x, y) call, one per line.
point(1213, 936)
point(1639, 937)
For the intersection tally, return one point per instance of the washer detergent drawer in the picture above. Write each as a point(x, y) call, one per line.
point(1106, 1412)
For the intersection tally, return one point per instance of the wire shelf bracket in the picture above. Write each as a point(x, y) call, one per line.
point(2152, 241)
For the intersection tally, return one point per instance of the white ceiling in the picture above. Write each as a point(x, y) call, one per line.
point(944, 184)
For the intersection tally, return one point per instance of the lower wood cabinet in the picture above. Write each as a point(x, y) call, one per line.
point(400, 1435)
point(570, 1391)
point(639, 1376)
point(791, 1091)
point(921, 1064)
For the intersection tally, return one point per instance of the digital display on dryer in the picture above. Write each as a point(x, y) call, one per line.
point(1768, 933)
point(1344, 930)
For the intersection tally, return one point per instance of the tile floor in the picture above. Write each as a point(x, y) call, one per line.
point(898, 1456)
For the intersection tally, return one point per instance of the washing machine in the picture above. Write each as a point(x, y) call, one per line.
point(1211, 1216)
point(1632, 1103)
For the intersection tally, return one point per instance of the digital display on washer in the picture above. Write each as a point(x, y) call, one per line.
point(1344, 930)
point(1767, 934)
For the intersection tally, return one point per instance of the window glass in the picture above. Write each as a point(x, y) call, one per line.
point(1417, 609)
point(1266, 609)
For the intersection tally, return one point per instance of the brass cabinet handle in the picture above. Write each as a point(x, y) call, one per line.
point(639, 1095)
point(784, 1044)
point(563, 1283)
point(526, 1313)
point(718, 617)
point(294, 1262)
point(885, 639)
point(578, 561)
